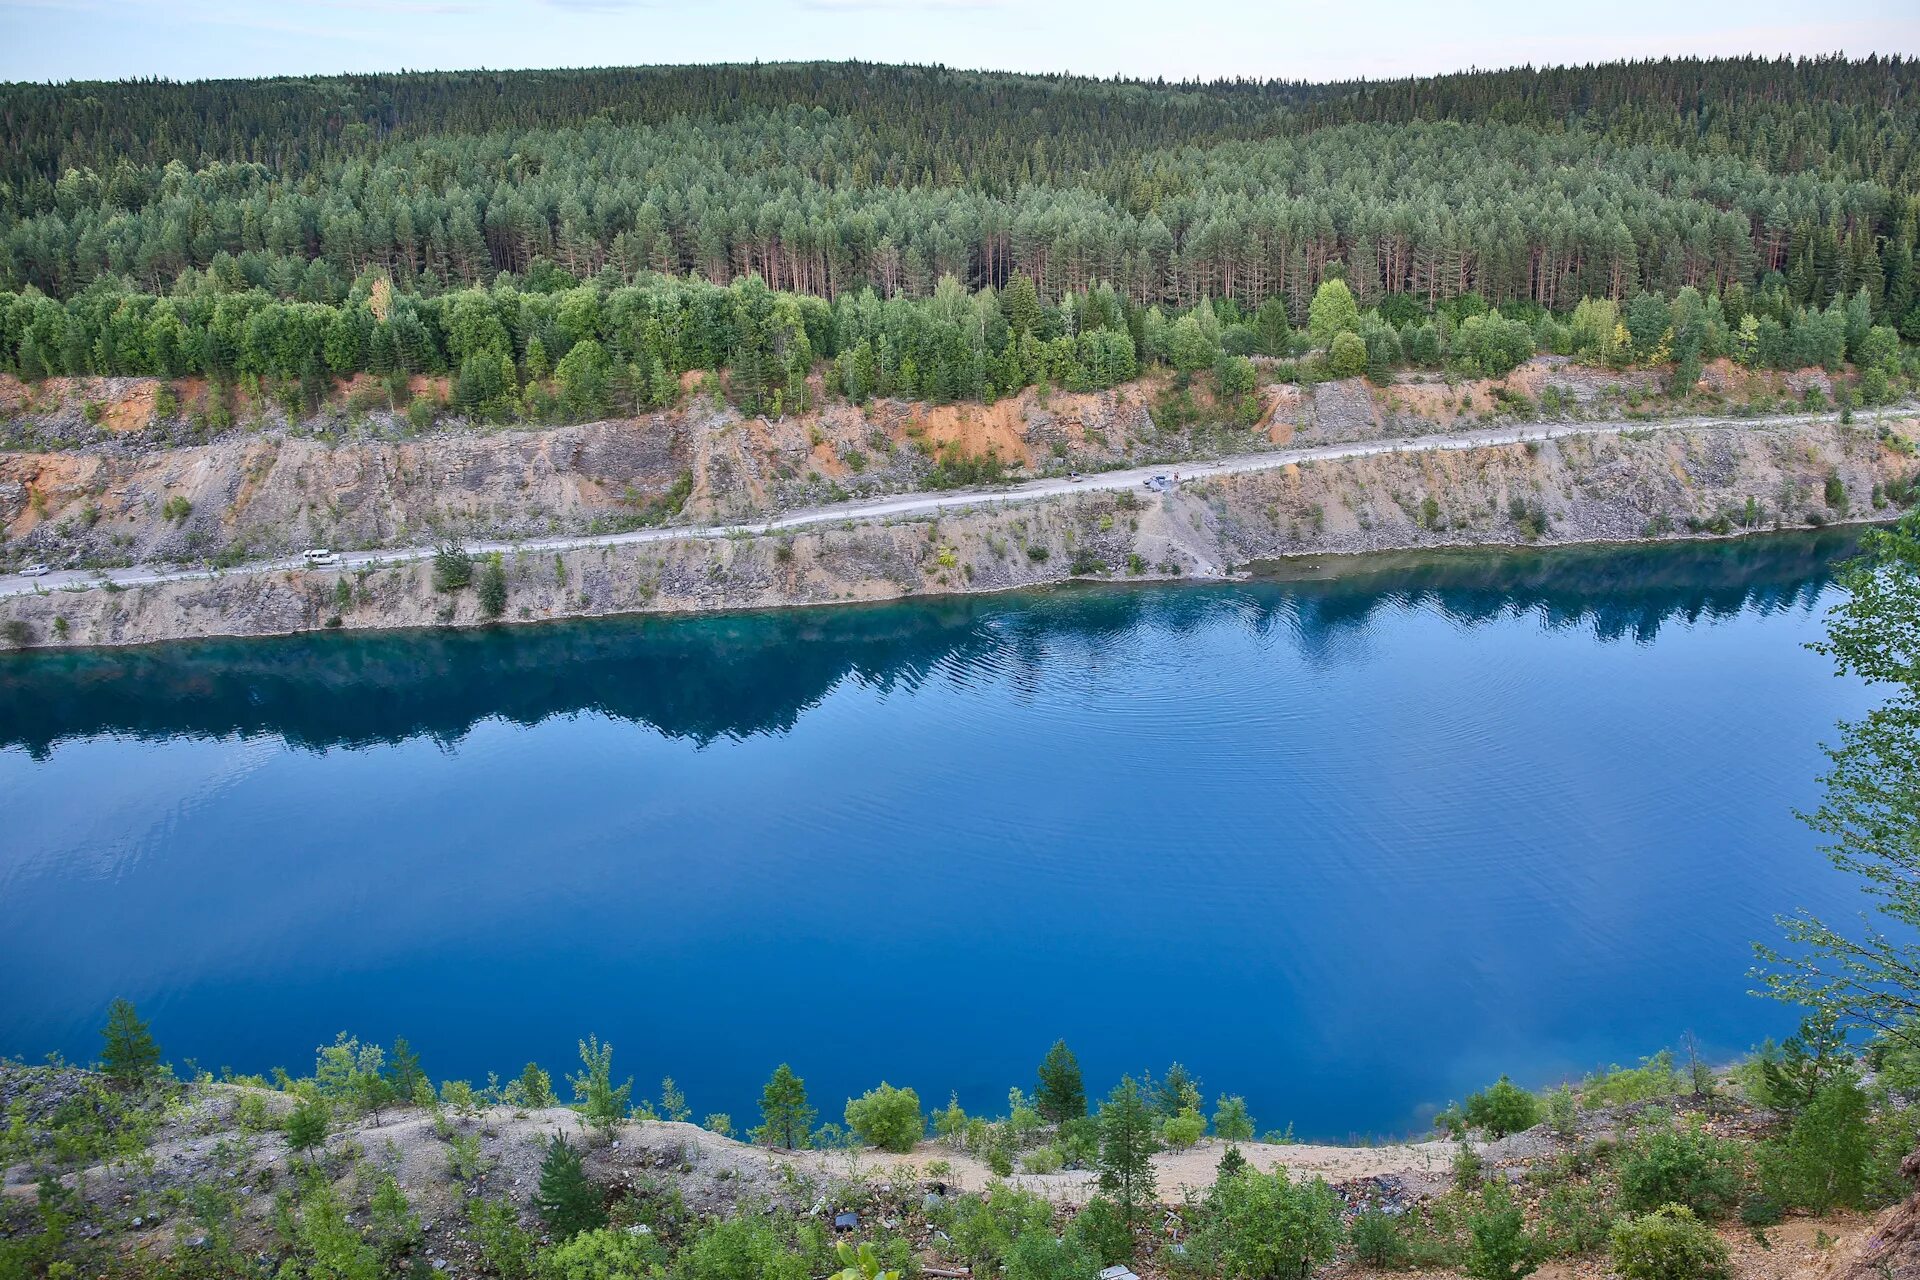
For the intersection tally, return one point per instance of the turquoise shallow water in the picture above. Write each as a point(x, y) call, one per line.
point(1350, 845)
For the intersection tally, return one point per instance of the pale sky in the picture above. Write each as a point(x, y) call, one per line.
point(1292, 39)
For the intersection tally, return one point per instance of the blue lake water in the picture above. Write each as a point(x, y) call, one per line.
point(1350, 846)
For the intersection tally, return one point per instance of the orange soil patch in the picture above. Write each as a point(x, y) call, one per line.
point(133, 409)
point(1438, 401)
point(53, 482)
point(1283, 412)
point(127, 407)
point(974, 429)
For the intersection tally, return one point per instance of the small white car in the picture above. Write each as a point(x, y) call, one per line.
point(319, 558)
point(35, 571)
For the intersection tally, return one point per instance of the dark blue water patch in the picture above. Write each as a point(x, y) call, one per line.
point(1350, 845)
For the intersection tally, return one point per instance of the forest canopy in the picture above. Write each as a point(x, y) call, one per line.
point(488, 224)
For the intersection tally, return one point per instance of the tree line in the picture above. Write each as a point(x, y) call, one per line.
point(551, 348)
point(1543, 186)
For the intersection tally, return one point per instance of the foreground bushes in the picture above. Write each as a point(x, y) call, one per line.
point(1264, 1226)
point(1683, 1166)
point(1668, 1244)
point(887, 1118)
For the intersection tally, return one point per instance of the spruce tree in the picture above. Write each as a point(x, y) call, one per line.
point(1127, 1145)
point(567, 1201)
point(130, 1057)
point(786, 1119)
point(1061, 1096)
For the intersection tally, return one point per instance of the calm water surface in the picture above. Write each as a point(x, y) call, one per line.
point(1350, 846)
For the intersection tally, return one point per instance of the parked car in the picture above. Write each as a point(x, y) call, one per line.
point(35, 571)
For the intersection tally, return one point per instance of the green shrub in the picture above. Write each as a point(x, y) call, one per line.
point(1434, 1239)
point(505, 1246)
point(1760, 1210)
point(1530, 519)
point(606, 1254)
point(1376, 1240)
point(1502, 1108)
point(1499, 1247)
point(996, 1148)
point(1822, 1164)
point(493, 587)
point(1044, 1160)
point(740, 1247)
point(1102, 1228)
point(1184, 1129)
point(1041, 1255)
point(1575, 1219)
point(887, 1118)
point(1467, 1168)
point(1655, 1077)
point(1681, 1166)
point(983, 1231)
point(1668, 1244)
point(452, 568)
point(1563, 1112)
point(1264, 1226)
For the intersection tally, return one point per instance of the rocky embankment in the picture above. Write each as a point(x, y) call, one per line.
point(94, 475)
point(1676, 482)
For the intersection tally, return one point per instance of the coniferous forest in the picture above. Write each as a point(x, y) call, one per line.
point(568, 243)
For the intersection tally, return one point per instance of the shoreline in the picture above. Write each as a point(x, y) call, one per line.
point(1352, 565)
point(1595, 488)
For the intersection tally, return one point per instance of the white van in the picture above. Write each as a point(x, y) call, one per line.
point(35, 571)
point(319, 558)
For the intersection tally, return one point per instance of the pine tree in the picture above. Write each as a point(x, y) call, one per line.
point(785, 1116)
point(1127, 1145)
point(1061, 1096)
point(567, 1201)
point(130, 1057)
point(308, 1122)
point(403, 1070)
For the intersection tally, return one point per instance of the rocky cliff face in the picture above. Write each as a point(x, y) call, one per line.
point(1580, 488)
point(121, 489)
